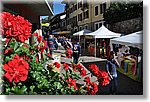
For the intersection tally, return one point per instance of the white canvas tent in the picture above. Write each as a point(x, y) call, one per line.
point(103, 32)
point(133, 39)
point(82, 32)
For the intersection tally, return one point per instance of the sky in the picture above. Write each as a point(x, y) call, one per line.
point(58, 7)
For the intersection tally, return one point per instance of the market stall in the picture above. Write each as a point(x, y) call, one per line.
point(102, 33)
point(134, 40)
point(82, 32)
point(131, 61)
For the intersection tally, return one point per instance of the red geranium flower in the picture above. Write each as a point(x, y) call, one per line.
point(57, 64)
point(37, 59)
point(71, 82)
point(39, 39)
point(94, 69)
point(66, 66)
point(69, 53)
point(43, 46)
point(16, 69)
point(83, 72)
point(87, 80)
point(25, 45)
point(16, 27)
point(93, 88)
point(103, 78)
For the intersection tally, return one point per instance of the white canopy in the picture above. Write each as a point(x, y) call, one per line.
point(103, 32)
point(133, 39)
point(82, 32)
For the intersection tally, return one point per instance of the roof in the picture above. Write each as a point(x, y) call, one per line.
point(133, 39)
point(82, 32)
point(34, 7)
point(103, 32)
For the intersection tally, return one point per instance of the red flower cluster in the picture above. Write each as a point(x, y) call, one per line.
point(69, 53)
point(102, 76)
point(87, 80)
point(16, 27)
point(16, 69)
point(43, 46)
point(57, 64)
point(66, 66)
point(71, 82)
point(92, 88)
point(94, 69)
point(39, 37)
point(81, 70)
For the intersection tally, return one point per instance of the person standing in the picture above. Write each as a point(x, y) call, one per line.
point(111, 65)
point(51, 44)
point(76, 52)
point(45, 38)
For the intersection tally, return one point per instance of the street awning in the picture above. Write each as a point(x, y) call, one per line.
point(45, 24)
point(61, 32)
point(30, 9)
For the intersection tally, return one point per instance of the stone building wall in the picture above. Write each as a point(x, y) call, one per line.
point(128, 26)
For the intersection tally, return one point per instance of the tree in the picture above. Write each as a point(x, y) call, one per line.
point(120, 11)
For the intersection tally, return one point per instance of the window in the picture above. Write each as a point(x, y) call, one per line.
point(102, 8)
point(75, 29)
point(75, 20)
point(63, 23)
point(75, 7)
point(96, 26)
point(79, 4)
point(85, 4)
point(96, 10)
point(99, 24)
point(80, 28)
point(86, 14)
point(85, 27)
point(80, 17)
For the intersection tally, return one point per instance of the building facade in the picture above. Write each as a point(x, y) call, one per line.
point(58, 23)
point(85, 14)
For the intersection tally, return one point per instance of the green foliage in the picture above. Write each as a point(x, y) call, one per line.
point(40, 81)
point(120, 11)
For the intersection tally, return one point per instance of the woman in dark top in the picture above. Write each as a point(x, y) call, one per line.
point(111, 65)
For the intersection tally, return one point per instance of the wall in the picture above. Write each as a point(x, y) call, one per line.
point(128, 26)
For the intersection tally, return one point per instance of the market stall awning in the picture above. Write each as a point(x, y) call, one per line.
point(82, 32)
point(61, 32)
point(134, 40)
point(45, 24)
point(103, 32)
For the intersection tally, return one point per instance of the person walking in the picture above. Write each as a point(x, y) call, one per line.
point(51, 44)
point(111, 65)
point(76, 52)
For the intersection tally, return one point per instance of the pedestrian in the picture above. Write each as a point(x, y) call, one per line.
point(76, 52)
point(45, 38)
point(111, 65)
point(51, 44)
